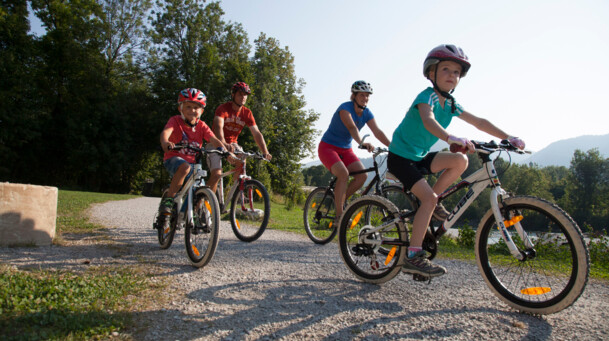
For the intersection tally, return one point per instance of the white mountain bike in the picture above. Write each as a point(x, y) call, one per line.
point(196, 210)
point(529, 251)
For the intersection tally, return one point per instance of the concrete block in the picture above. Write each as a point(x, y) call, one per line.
point(28, 214)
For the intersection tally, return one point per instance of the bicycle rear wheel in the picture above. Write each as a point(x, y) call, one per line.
point(319, 213)
point(362, 243)
point(554, 271)
point(166, 226)
point(250, 211)
point(202, 238)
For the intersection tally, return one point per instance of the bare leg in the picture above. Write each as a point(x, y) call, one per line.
point(214, 178)
point(342, 176)
point(429, 200)
point(453, 164)
point(178, 179)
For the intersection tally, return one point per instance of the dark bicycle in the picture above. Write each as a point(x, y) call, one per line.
point(320, 211)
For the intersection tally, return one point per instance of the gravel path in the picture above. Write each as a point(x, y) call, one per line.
point(283, 286)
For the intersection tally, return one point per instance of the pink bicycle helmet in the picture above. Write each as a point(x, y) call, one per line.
point(192, 95)
point(241, 86)
point(446, 52)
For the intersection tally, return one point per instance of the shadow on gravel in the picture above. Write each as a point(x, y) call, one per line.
point(326, 309)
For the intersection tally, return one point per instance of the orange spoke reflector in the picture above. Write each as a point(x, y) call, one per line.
point(314, 204)
point(535, 291)
point(330, 225)
point(513, 221)
point(208, 206)
point(258, 192)
point(356, 219)
point(390, 255)
point(238, 225)
point(196, 251)
point(166, 230)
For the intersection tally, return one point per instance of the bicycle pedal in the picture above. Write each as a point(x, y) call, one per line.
point(420, 278)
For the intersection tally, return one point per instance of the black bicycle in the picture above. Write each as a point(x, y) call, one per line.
point(320, 211)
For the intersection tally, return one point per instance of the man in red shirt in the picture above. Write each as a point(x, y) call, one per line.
point(229, 120)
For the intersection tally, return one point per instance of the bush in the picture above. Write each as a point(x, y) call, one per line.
point(467, 237)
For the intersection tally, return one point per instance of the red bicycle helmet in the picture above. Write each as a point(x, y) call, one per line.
point(192, 95)
point(241, 86)
point(446, 52)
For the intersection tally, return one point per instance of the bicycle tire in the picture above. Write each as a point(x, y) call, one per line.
point(167, 230)
point(556, 272)
point(250, 211)
point(364, 259)
point(201, 238)
point(318, 215)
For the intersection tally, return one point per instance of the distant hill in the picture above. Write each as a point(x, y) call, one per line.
point(558, 153)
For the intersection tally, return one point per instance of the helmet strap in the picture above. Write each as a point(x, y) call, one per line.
point(444, 93)
point(192, 126)
point(357, 104)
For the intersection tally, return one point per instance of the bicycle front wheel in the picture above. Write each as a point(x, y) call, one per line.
point(319, 213)
point(166, 225)
point(201, 237)
point(554, 271)
point(363, 244)
point(250, 210)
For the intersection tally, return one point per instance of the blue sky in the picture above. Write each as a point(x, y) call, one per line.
point(539, 68)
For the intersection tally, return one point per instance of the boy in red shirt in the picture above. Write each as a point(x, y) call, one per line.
point(186, 128)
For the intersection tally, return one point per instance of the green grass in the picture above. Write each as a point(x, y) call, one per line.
point(71, 207)
point(43, 305)
point(59, 305)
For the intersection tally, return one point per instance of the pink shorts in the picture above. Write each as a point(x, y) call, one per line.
point(329, 155)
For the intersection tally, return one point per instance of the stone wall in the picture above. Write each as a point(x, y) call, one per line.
point(28, 214)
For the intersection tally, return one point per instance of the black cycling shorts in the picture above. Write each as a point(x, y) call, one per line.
point(409, 172)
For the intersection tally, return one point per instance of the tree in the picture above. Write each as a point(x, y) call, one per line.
point(19, 98)
point(587, 189)
point(279, 105)
point(317, 176)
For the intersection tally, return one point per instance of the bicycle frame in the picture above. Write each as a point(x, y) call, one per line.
point(237, 184)
point(186, 193)
point(477, 182)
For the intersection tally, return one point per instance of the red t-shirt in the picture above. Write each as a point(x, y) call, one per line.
point(182, 132)
point(234, 121)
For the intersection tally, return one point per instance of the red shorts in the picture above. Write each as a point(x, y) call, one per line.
point(329, 155)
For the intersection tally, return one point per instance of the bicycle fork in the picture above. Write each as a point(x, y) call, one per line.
point(504, 222)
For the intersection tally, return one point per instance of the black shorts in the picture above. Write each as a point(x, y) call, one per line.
point(409, 171)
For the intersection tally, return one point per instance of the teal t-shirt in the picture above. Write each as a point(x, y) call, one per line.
point(411, 140)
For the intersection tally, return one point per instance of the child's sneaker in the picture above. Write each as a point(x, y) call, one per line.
point(166, 206)
point(419, 264)
point(440, 213)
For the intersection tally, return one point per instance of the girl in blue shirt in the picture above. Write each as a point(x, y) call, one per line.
point(335, 150)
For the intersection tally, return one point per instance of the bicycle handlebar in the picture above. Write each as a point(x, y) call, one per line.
point(492, 146)
point(223, 153)
point(255, 155)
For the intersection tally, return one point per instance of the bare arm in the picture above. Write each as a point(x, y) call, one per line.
point(430, 123)
point(165, 143)
point(484, 125)
point(378, 133)
point(259, 139)
point(219, 132)
point(345, 117)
